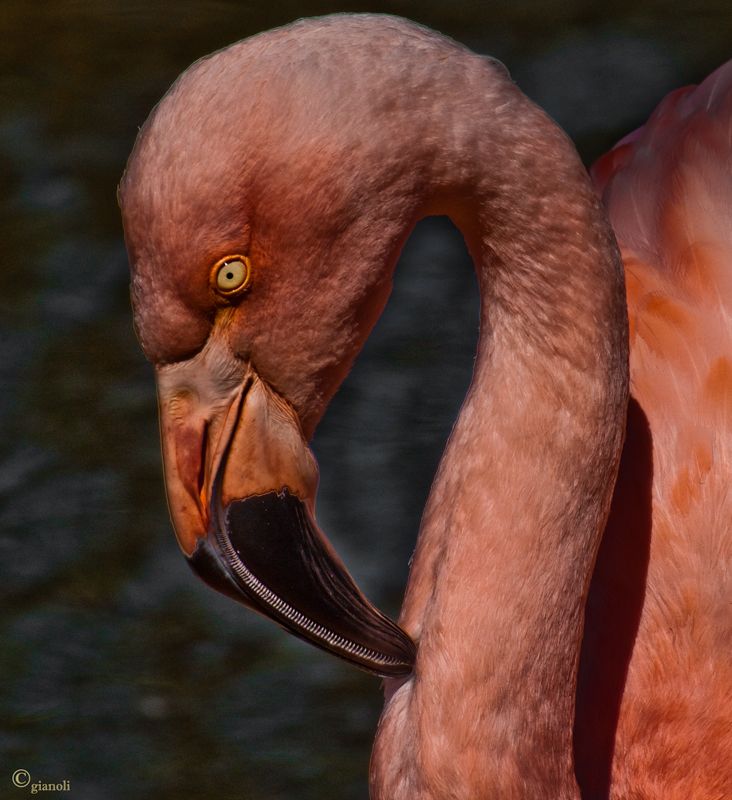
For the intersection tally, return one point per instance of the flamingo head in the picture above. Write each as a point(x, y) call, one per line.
point(262, 221)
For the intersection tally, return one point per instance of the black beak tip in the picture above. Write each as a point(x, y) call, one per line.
point(269, 555)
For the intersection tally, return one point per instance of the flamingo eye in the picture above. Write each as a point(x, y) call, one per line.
point(231, 276)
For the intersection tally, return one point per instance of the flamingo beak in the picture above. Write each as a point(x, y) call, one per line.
point(241, 483)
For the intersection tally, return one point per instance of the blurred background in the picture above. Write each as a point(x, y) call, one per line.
point(118, 670)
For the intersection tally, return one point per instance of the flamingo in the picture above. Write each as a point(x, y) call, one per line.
point(264, 206)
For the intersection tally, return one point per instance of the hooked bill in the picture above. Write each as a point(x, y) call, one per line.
point(269, 553)
point(241, 484)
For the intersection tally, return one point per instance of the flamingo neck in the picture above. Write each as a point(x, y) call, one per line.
point(509, 535)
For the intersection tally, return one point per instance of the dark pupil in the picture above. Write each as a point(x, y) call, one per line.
point(230, 275)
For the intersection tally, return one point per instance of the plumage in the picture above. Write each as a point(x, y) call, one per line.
point(547, 654)
point(668, 190)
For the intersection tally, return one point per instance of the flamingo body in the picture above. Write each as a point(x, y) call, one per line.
point(668, 190)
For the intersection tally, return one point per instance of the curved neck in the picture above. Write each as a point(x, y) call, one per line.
point(509, 536)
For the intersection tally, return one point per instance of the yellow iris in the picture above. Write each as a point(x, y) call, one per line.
point(231, 275)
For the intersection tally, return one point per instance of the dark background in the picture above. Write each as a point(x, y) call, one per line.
point(118, 670)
